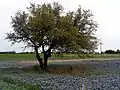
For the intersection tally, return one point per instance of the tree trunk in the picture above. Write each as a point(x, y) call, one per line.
point(38, 58)
point(45, 60)
point(47, 54)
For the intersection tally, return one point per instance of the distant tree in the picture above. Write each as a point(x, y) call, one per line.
point(46, 26)
point(11, 52)
point(8, 52)
point(23, 53)
point(110, 52)
point(118, 51)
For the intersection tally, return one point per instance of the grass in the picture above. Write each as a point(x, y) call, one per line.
point(17, 84)
point(66, 69)
point(11, 83)
point(57, 69)
point(17, 57)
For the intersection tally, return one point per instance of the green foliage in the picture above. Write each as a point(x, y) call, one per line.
point(112, 51)
point(46, 26)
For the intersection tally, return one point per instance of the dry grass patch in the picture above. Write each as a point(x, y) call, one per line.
point(74, 69)
point(79, 69)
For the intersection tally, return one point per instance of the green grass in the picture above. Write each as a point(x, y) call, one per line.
point(55, 56)
point(17, 57)
point(9, 83)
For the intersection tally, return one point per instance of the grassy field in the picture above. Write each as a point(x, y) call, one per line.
point(55, 56)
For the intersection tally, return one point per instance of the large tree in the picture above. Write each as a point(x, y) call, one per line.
point(47, 27)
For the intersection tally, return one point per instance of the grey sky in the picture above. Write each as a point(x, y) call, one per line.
point(106, 13)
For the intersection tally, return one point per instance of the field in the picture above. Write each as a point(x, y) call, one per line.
point(21, 72)
point(18, 57)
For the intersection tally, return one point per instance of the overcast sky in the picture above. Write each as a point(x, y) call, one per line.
point(106, 13)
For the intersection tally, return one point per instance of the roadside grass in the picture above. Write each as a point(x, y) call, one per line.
point(14, 84)
point(79, 69)
point(10, 83)
point(66, 69)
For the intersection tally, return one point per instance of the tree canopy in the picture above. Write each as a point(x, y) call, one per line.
point(48, 27)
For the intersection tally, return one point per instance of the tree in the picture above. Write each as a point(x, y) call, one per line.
point(47, 27)
point(110, 51)
point(117, 51)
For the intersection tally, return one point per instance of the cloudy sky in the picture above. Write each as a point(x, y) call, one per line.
point(106, 13)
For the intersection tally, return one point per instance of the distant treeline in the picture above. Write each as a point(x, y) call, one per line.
point(13, 52)
point(26, 52)
point(112, 51)
point(106, 52)
point(8, 52)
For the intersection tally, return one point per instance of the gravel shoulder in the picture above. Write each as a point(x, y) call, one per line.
point(109, 81)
